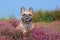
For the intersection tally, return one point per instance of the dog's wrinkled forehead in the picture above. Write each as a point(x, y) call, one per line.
point(25, 12)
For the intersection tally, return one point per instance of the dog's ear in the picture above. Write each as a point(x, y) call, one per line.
point(31, 9)
point(22, 9)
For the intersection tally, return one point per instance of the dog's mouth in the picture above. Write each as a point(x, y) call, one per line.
point(27, 21)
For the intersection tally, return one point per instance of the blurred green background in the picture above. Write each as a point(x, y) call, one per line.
point(46, 16)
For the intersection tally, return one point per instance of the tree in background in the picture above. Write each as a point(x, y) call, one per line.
point(46, 16)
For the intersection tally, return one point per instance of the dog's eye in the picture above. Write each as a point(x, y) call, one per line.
point(30, 14)
point(23, 15)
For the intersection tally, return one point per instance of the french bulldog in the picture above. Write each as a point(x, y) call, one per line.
point(26, 20)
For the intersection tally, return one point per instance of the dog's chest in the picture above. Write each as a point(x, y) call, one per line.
point(27, 26)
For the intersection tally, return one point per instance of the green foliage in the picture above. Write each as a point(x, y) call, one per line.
point(3, 19)
point(46, 16)
point(37, 16)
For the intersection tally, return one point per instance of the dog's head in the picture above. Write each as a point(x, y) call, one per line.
point(26, 16)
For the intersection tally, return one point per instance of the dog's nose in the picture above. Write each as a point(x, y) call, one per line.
point(26, 18)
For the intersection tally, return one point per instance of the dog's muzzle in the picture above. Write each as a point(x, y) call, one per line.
point(26, 19)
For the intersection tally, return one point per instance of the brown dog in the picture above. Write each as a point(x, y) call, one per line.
point(26, 20)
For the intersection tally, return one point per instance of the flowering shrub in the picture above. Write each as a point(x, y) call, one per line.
point(11, 33)
point(13, 22)
point(8, 32)
point(41, 34)
point(5, 38)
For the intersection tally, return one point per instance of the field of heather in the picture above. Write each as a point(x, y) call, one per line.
point(41, 31)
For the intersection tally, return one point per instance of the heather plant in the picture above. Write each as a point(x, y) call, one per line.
point(14, 22)
point(12, 33)
point(42, 31)
point(55, 25)
point(5, 38)
point(6, 29)
point(34, 34)
point(4, 25)
point(42, 34)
